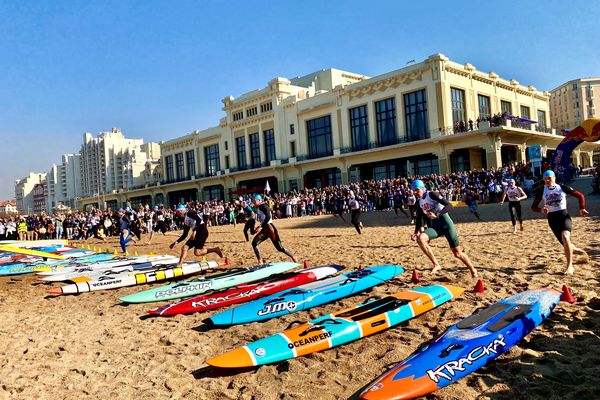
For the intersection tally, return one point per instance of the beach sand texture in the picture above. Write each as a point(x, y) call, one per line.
point(92, 347)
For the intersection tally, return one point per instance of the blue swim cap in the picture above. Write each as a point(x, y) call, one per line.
point(549, 173)
point(120, 209)
point(417, 184)
point(258, 197)
point(511, 180)
point(181, 207)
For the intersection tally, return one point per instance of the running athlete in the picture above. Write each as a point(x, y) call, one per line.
point(124, 225)
point(470, 199)
point(266, 230)
point(559, 220)
point(515, 196)
point(354, 207)
point(193, 222)
point(432, 211)
point(158, 223)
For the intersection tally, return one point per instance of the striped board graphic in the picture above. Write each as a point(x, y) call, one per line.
point(123, 280)
point(338, 328)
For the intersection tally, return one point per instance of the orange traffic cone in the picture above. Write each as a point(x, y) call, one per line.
point(306, 264)
point(415, 277)
point(566, 295)
point(478, 287)
point(227, 261)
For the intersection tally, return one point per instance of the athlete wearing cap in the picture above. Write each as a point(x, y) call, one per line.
point(266, 230)
point(193, 222)
point(432, 211)
point(515, 196)
point(354, 207)
point(559, 220)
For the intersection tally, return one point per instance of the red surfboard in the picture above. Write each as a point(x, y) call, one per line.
point(245, 292)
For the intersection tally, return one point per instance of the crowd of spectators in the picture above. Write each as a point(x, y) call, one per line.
point(373, 195)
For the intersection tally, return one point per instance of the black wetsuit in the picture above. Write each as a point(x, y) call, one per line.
point(193, 221)
point(268, 231)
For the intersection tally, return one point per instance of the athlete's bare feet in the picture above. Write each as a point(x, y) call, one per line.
point(474, 273)
point(570, 270)
point(436, 269)
point(515, 230)
point(521, 227)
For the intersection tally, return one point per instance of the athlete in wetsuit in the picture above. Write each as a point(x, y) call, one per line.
point(193, 222)
point(515, 196)
point(266, 230)
point(158, 223)
point(125, 228)
point(432, 211)
point(559, 220)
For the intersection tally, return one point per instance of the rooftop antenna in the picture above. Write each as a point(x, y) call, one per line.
point(410, 62)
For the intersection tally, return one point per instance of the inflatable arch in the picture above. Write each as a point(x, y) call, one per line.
point(588, 131)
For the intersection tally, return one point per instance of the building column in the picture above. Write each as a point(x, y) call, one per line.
point(372, 123)
point(493, 153)
point(521, 152)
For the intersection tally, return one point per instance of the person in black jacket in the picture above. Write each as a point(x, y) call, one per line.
point(266, 230)
point(193, 222)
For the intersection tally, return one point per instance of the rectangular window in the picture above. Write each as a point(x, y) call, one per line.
point(292, 149)
point(415, 110)
point(211, 159)
point(252, 111)
point(484, 106)
point(458, 105)
point(292, 131)
point(240, 144)
point(541, 118)
point(266, 107)
point(269, 138)
point(506, 107)
point(320, 143)
point(238, 115)
point(226, 145)
point(385, 113)
point(179, 165)
point(525, 112)
point(226, 162)
point(170, 171)
point(359, 128)
point(191, 163)
point(255, 150)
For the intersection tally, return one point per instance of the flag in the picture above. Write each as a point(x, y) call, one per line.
point(267, 187)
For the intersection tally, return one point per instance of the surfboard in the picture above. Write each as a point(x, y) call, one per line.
point(306, 296)
point(246, 292)
point(465, 347)
point(339, 328)
point(212, 282)
point(19, 250)
point(123, 280)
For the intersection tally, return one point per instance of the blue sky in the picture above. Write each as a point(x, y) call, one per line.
point(159, 69)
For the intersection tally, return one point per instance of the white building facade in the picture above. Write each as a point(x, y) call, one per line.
point(111, 163)
point(63, 182)
point(332, 127)
point(24, 191)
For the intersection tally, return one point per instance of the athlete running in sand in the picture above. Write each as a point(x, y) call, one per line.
point(193, 222)
point(515, 196)
point(559, 220)
point(266, 230)
point(432, 211)
point(354, 207)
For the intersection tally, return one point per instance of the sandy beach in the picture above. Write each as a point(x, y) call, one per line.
point(91, 346)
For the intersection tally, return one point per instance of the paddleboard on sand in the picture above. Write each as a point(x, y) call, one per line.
point(246, 292)
point(338, 328)
point(306, 296)
point(122, 280)
point(212, 282)
point(465, 347)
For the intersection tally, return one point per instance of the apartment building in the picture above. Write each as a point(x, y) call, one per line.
point(24, 191)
